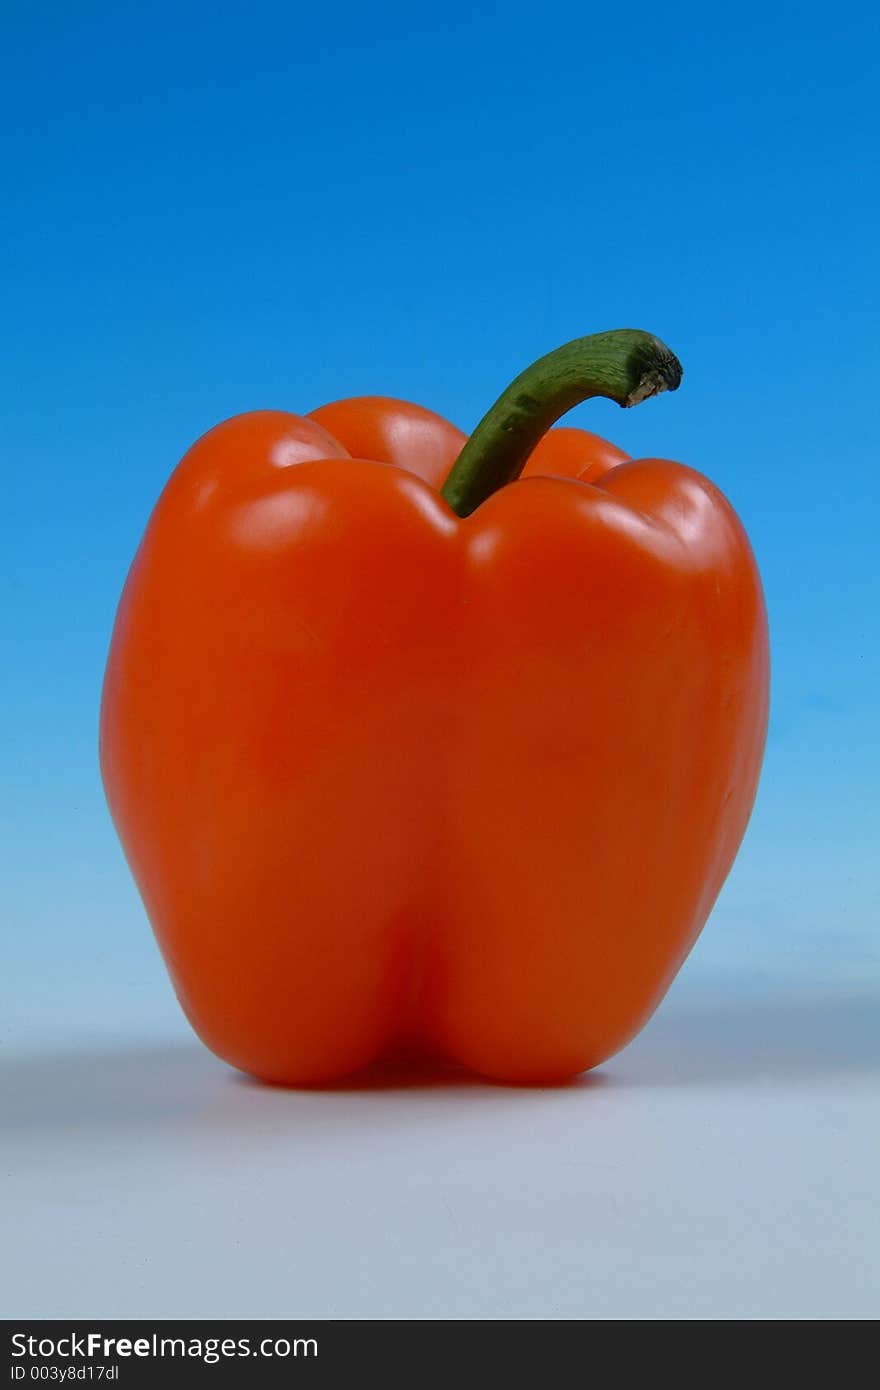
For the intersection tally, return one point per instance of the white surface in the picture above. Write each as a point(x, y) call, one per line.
point(724, 1166)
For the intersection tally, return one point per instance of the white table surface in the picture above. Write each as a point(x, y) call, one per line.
point(724, 1166)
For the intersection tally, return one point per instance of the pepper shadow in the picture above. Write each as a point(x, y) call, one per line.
point(688, 1043)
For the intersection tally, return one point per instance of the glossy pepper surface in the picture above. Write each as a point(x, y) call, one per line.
point(407, 749)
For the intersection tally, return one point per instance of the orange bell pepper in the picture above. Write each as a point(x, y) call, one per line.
point(408, 752)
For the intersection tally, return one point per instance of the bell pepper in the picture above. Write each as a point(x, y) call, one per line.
point(421, 741)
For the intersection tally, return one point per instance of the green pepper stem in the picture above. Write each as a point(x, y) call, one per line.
point(625, 365)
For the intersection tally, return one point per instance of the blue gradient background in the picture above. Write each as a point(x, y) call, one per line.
point(209, 209)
